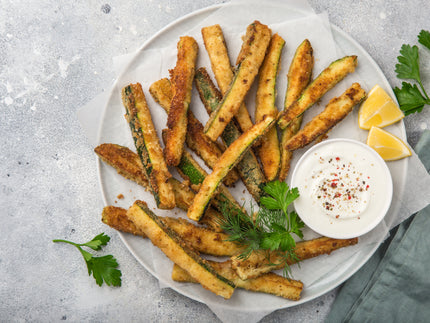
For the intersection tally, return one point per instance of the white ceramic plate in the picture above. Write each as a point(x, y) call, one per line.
point(114, 129)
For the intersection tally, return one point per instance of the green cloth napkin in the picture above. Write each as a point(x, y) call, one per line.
point(394, 285)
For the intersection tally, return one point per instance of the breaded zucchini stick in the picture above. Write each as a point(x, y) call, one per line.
point(299, 76)
point(335, 111)
point(128, 164)
point(216, 48)
point(182, 82)
point(193, 173)
point(269, 283)
point(252, 54)
point(201, 239)
point(258, 263)
point(248, 167)
point(196, 140)
point(177, 250)
point(268, 151)
point(228, 160)
point(327, 79)
point(147, 145)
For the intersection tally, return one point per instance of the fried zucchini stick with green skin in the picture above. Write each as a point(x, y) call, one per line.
point(182, 82)
point(259, 263)
point(216, 244)
point(228, 160)
point(192, 172)
point(299, 76)
point(269, 283)
point(147, 145)
point(268, 151)
point(248, 167)
point(201, 239)
point(335, 111)
point(216, 48)
point(325, 81)
point(250, 59)
point(177, 250)
point(128, 164)
point(195, 138)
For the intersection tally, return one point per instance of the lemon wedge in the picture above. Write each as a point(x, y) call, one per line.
point(378, 110)
point(387, 145)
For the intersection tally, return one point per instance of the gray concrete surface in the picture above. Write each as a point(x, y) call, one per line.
point(54, 57)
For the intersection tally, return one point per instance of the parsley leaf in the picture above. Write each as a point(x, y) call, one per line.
point(424, 38)
point(408, 67)
point(103, 269)
point(411, 99)
point(272, 227)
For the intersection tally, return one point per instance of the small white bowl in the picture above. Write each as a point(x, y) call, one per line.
point(345, 188)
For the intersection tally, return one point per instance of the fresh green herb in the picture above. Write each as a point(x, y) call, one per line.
point(272, 228)
point(410, 98)
point(424, 38)
point(103, 268)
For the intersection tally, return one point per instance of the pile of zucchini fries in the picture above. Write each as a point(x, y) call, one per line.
point(256, 153)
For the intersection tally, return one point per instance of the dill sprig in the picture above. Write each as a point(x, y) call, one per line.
point(272, 228)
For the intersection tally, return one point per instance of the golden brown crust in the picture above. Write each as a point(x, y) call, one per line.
point(269, 151)
point(216, 48)
point(148, 144)
point(242, 81)
point(116, 217)
point(196, 140)
point(335, 111)
point(269, 283)
point(178, 251)
point(325, 81)
point(258, 263)
point(299, 76)
point(126, 162)
point(182, 81)
point(207, 149)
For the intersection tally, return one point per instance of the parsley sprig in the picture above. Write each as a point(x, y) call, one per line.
point(103, 268)
point(410, 98)
point(273, 227)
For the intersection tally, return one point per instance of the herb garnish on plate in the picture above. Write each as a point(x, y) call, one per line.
point(272, 228)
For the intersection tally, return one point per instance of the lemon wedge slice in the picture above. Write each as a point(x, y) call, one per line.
point(387, 145)
point(378, 110)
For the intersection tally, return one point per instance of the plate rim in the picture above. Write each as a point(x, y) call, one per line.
point(343, 277)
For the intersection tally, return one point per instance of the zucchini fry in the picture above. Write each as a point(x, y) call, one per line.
point(228, 160)
point(299, 76)
point(268, 151)
point(116, 218)
point(327, 79)
point(177, 250)
point(335, 111)
point(147, 145)
point(201, 239)
point(216, 48)
point(252, 54)
point(259, 263)
point(193, 173)
point(248, 167)
point(182, 82)
point(269, 283)
point(195, 138)
point(128, 164)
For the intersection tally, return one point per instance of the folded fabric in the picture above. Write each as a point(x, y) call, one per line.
point(394, 285)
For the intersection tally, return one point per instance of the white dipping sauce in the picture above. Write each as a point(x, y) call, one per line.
point(345, 188)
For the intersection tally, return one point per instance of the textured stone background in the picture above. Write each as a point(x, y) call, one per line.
point(54, 57)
